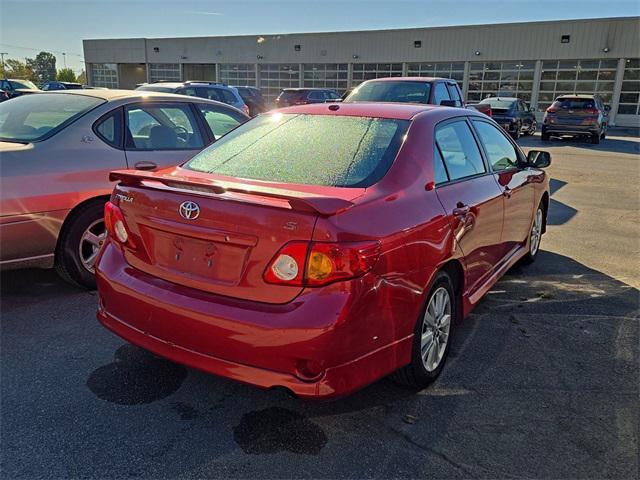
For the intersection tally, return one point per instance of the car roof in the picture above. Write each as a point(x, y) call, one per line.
point(306, 89)
point(579, 95)
point(397, 111)
point(114, 94)
point(409, 79)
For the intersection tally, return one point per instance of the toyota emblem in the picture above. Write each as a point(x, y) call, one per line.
point(189, 210)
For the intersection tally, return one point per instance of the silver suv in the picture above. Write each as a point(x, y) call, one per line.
point(210, 90)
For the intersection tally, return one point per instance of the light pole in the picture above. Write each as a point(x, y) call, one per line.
point(64, 59)
point(2, 54)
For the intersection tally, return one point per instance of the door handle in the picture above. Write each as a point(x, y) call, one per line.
point(507, 192)
point(461, 210)
point(145, 165)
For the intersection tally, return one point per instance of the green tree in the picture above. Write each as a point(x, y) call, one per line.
point(43, 66)
point(66, 75)
point(82, 78)
point(16, 69)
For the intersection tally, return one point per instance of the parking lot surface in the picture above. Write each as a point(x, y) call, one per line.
point(541, 381)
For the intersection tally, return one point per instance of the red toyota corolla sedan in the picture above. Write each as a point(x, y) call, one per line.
point(322, 247)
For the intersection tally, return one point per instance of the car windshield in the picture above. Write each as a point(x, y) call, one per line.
point(390, 91)
point(574, 103)
point(30, 118)
point(306, 149)
point(155, 88)
point(23, 84)
point(497, 103)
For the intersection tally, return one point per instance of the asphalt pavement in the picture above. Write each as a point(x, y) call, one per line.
point(542, 378)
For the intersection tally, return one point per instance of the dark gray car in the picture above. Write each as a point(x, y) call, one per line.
point(513, 115)
point(578, 116)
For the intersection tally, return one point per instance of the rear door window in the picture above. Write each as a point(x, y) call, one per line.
point(109, 128)
point(162, 127)
point(306, 149)
point(228, 96)
point(440, 93)
point(454, 93)
point(501, 153)
point(459, 150)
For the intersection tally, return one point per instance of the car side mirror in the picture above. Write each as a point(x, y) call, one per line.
point(538, 158)
point(448, 103)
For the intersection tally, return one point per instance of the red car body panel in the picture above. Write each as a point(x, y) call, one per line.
point(317, 342)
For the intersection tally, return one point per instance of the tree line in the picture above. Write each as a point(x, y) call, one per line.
point(39, 70)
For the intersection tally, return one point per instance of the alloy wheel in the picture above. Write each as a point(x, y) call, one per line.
point(536, 233)
point(435, 329)
point(90, 244)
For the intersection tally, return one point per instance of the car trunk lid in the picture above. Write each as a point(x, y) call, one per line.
point(225, 247)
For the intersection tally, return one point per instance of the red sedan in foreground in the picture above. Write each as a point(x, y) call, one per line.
point(322, 247)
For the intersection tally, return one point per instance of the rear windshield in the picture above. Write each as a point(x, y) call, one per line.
point(574, 103)
point(306, 149)
point(155, 88)
point(390, 91)
point(30, 118)
point(497, 103)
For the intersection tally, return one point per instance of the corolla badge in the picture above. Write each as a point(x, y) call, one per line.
point(189, 210)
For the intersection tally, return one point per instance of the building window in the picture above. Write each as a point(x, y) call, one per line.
point(508, 79)
point(574, 77)
point(630, 94)
point(240, 74)
point(368, 71)
point(276, 76)
point(104, 75)
point(164, 71)
point(437, 69)
point(326, 75)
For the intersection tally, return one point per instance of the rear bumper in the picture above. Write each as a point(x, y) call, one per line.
point(570, 129)
point(312, 346)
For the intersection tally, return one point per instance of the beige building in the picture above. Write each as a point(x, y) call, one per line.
point(536, 61)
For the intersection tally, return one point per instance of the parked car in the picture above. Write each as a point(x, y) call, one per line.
point(253, 98)
point(303, 96)
point(61, 86)
point(578, 116)
point(258, 259)
point(15, 88)
point(425, 90)
point(211, 90)
point(512, 114)
point(57, 151)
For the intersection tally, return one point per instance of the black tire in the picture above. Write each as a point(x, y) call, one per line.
point(67, 258)
point(530, 257)
point(415, 375)
point(595, 138)
point(544, 137)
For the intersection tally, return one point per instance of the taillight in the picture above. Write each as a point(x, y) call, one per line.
point(489, 113)
point(314, 264)
point(115, 224)
point(551, 110)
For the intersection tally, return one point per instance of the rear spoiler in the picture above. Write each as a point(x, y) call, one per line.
point(302, 201)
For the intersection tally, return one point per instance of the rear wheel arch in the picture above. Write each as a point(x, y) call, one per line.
point(455, 270)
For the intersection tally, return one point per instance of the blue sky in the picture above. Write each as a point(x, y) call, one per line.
point(28, 26)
